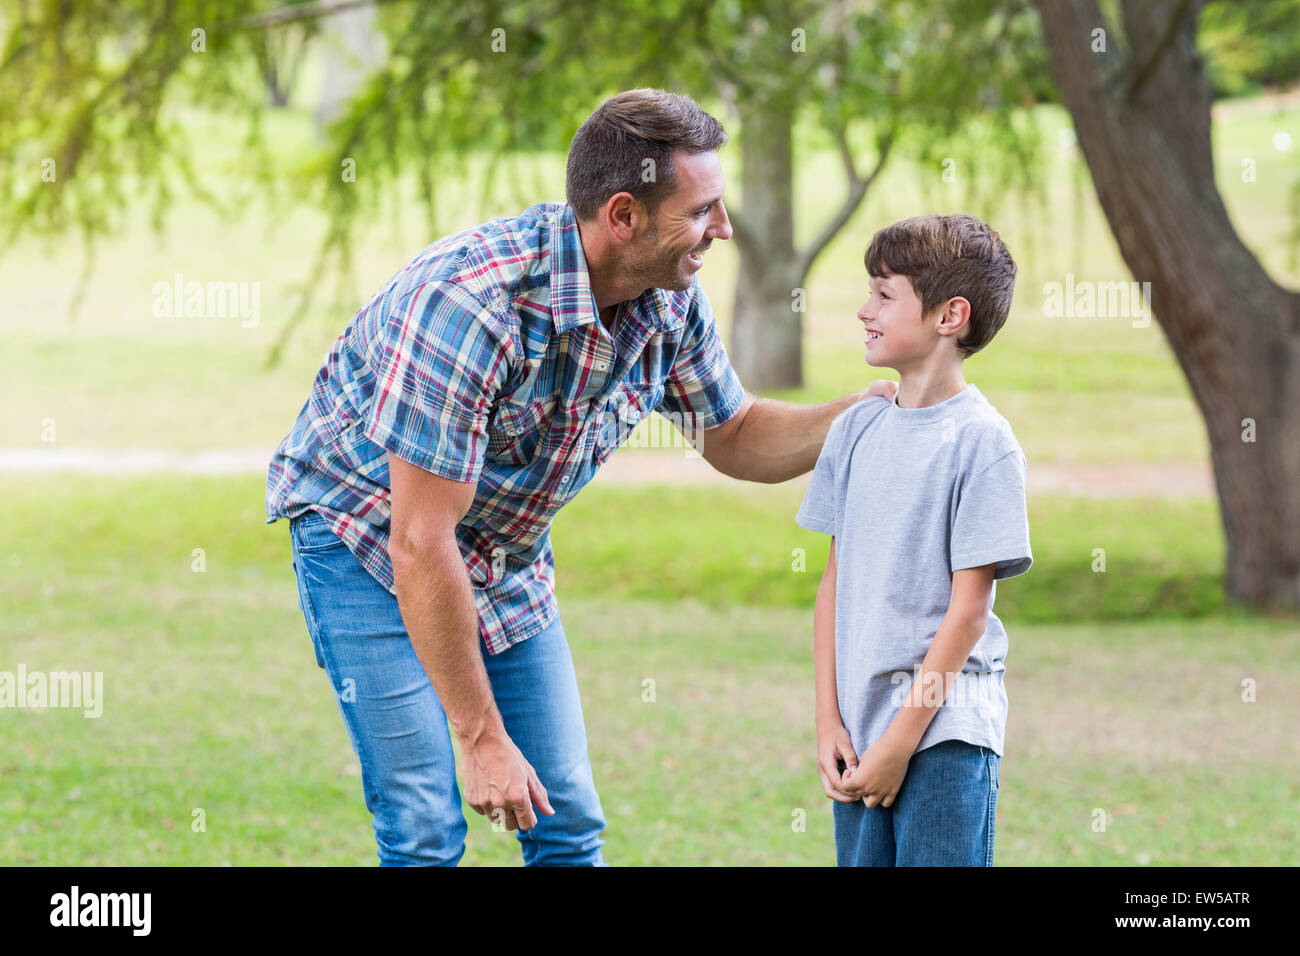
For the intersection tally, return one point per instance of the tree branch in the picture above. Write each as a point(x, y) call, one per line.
point(1152, 60)
point(709, 54)
point(857, 191)
point(300, 11)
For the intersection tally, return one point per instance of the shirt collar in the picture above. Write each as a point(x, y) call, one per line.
point(572, 301)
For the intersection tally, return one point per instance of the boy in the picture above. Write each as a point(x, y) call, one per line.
point(925, 499)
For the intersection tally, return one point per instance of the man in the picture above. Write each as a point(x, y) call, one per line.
point(459, 410)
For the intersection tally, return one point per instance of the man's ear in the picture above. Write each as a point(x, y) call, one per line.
point(954, 317)
point(623, 214)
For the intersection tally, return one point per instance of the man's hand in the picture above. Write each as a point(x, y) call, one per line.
point(835, 745)
point(437, 604)
point(498, 778)
point(882, 387)
point(879, 775)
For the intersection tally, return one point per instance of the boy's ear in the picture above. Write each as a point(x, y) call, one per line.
point(954, 316)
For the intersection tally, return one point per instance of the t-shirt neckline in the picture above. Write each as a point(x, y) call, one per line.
point(934, 413)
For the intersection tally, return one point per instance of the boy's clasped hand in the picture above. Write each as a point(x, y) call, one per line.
point(875, 779)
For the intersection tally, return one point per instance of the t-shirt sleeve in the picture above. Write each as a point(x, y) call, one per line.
point(991, 525)
point(820, 510)
point(438, 365)
point(703, 390)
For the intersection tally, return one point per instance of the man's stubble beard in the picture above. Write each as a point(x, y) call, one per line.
point(659, 273)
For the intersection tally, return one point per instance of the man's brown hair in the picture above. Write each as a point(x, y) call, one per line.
point(609, 150)
point(947, 256)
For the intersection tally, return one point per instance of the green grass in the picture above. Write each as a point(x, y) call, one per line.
point(1125, 685)
point(212, 698)
point(716, 546)
point(742, 546)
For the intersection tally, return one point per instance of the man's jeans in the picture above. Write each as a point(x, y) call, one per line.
point(399, 729)
point(942, 815)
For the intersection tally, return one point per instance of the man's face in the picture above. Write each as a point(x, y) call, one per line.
point(671, 251)
point(897, 334)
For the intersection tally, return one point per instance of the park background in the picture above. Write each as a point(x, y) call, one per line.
point(1125, 685)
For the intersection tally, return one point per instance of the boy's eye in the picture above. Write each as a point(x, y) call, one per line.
point(884, 295)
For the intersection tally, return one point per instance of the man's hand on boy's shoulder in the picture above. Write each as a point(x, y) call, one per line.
point(881, 387)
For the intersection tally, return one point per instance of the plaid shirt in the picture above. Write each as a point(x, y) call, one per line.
point(484, 360)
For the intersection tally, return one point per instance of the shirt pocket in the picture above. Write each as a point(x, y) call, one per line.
point(629, 405)
point(515, 420)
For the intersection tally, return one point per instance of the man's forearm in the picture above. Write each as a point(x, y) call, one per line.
point(778, 441)
point(437, 604)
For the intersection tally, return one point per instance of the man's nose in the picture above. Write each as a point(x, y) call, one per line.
point(721, 230)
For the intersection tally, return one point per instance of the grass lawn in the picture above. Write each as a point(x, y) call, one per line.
point(1125, 686)
point(212, 698)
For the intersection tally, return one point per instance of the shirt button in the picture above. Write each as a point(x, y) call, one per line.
point(564, 480)
point(600, 366)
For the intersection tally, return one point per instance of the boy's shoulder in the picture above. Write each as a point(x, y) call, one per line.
point(981, 414)
point(985, 432)
point(982, 435)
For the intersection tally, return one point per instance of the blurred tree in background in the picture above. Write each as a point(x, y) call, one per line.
point(507, 77)
point(1138, 89)
point(88, 130)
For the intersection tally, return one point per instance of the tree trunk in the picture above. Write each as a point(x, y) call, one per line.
point(767, 333)
point(1142, 117)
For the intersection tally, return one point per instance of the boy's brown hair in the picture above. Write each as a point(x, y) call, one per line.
point(947, 256)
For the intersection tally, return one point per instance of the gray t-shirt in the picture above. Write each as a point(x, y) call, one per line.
point(911, 495)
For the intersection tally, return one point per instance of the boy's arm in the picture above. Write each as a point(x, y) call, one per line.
point(959, 631)
point(828, 706)
point(834, 742)
point(884, 765)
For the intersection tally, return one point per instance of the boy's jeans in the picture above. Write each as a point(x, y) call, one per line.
point(400, 732)
point(942, 815)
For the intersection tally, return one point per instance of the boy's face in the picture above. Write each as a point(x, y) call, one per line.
point(897, 333)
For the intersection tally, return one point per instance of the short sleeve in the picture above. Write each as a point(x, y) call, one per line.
point(438, 365)
point(820, 510)
point(702, 390)
point(991, 524)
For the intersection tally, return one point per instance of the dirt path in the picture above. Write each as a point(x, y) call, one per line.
point(627, 466)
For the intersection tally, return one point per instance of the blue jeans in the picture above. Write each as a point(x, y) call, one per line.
point(399, 729)
point(941, 816)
